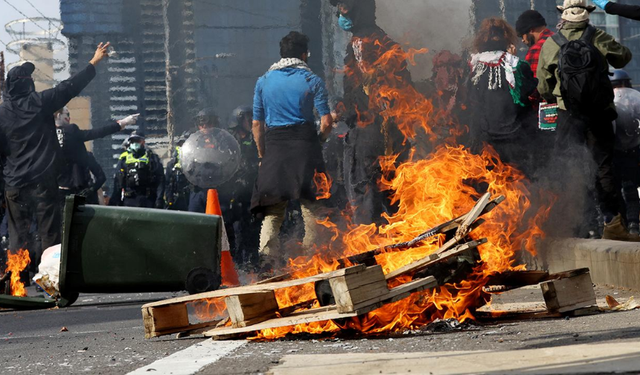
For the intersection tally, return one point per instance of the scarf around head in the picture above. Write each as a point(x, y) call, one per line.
point(289, 62)
point(493, 63)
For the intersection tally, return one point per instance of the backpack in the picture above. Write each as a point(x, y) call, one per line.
point(584, 75)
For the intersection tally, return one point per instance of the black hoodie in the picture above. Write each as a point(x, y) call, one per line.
point(28, 143)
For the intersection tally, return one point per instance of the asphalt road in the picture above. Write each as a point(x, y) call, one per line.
point(105, 336)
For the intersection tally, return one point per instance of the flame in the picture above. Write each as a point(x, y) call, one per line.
point(427, 190)
point(323, 184)
point(16, 263)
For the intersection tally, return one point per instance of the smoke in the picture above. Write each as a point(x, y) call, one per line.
point(436, 25)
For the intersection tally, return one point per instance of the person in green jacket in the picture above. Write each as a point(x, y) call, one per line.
point(578, 130)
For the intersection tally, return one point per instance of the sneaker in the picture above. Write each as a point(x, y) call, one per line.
point(634, 228)
point(615, 230)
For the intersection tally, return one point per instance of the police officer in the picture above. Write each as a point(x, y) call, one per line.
point(139, 179)
point(178, 189)
point(236, 195)
point(206, 120)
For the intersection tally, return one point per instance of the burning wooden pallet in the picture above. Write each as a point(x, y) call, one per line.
point(352, 291)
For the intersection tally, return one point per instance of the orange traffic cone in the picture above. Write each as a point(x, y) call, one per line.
point(227, 268)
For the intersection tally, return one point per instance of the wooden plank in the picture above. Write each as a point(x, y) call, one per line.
point(569, 294)
point(328, 312)
point(427, 261)
point(465, 225)
point(397, 294)
point(247, 309)
point(351, 290)
point(566, 274)
point(536, 314)
point(254, 288)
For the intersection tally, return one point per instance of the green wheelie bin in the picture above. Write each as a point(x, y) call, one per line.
point(135, 250)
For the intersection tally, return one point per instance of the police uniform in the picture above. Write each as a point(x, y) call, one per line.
point(139, 180)
point(178, 189)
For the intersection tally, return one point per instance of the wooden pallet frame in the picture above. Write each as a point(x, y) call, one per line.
point(357, 290)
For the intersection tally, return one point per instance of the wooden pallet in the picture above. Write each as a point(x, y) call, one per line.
point(357, 290)
point(568, 293)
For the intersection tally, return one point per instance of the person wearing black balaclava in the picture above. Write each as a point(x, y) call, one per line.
point(30, 150)
point(370, 136)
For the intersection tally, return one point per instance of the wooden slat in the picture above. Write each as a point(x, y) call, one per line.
point(165, 320)
point(327, 313)
point(351, 290)
point(427, 261)
point(249, 289)
point(465, 225)
point(247, 309)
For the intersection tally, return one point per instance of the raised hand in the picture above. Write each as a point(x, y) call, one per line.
point(101, 53)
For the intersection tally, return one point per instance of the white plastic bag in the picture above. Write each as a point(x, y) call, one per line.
point(48, 275)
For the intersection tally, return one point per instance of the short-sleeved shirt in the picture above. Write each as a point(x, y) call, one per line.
point(287, 97)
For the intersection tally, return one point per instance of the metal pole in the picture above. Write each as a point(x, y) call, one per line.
point(2, 69)
point(168, 76)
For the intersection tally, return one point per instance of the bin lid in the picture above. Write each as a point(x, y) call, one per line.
point(26, 303)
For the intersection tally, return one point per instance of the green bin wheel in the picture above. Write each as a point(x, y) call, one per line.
point(200, 280)
point(67, 299)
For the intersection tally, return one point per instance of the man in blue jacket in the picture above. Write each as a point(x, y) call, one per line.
point(288, 143)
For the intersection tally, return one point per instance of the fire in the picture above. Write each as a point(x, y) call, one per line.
point(16, 263)
point(323, 184)
point(427, 190)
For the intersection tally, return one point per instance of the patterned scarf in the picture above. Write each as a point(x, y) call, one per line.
point(289, 63)
point(494, 62)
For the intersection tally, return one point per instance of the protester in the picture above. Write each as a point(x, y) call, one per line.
point(74, 165)
point(623, 10)
point(178, 189)
point(498, 96)
point(139, 180)
point(288, 143)
point(370, 136)
point(626, 155)
point(586, 108)
point(532, 28)
point(30, 151)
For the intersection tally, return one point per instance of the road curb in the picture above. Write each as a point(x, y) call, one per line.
point(611, 262)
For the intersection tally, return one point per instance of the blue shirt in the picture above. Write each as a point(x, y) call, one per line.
point(288, 96)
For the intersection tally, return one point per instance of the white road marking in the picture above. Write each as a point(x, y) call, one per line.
point(192, 359)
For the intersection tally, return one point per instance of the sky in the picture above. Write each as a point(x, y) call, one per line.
point(50, 8)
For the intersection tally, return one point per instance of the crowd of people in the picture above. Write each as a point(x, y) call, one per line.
point(538, 113)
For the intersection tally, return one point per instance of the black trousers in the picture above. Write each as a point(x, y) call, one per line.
point(574, 133)
point(23, 203)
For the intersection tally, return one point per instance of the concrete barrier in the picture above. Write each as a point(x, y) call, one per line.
point(611, 262)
